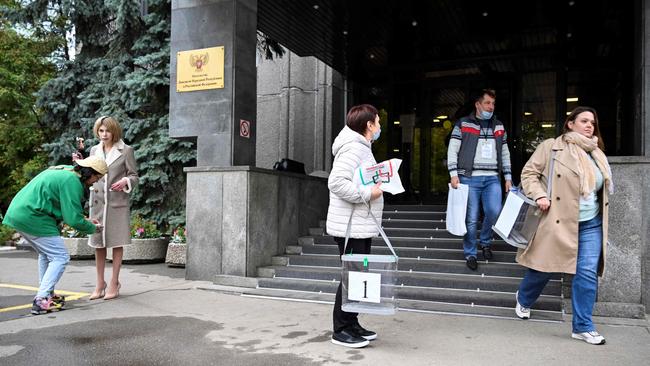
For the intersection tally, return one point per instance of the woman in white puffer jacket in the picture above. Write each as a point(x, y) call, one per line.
point(349, 201)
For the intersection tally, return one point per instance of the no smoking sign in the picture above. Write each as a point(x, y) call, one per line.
point(245, 128)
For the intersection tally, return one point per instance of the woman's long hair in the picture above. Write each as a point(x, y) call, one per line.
point(572, 118)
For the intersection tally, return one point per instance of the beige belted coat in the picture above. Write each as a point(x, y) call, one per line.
point(116, 215)
point(554, 248)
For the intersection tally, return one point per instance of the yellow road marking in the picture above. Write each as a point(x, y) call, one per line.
point(69, 295)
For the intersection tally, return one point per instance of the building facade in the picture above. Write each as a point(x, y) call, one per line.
point(418, 62)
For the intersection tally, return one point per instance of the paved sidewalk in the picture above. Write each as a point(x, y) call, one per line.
point(162, 319)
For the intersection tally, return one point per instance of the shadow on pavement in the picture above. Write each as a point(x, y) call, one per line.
point(132, 341)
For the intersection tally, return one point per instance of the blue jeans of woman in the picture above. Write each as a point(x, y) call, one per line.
point(484, 191)
point(585, 281)
point(52, 259)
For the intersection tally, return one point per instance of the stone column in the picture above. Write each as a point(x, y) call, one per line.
point(212, 117)
point(644, 49)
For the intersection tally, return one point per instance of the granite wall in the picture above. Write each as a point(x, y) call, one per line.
point(240, 217)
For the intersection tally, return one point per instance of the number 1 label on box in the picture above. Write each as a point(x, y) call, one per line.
point(364, 286)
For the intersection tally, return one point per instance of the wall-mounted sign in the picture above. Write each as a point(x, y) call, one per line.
point(244, 128)
point(199, 69)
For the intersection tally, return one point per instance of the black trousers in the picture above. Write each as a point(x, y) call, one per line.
point(341, 318)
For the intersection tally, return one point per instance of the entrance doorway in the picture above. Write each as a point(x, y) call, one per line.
point(420, 119)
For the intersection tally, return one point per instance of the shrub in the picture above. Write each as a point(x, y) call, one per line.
point(179, 236)
point(143, 229)
point(6, 234)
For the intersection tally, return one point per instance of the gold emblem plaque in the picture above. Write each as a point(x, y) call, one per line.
point(199, 69)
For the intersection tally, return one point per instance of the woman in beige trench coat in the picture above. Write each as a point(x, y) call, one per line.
point(572, 234)
point(109, 202)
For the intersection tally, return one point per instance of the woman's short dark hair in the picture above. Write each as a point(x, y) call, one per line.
point(85, 172)
point(359, 115)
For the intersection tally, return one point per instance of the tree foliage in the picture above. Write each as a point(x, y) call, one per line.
point(24, 67)
point(120, 68)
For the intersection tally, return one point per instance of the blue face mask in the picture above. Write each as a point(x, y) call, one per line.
point(486, 115)
point(375, 136)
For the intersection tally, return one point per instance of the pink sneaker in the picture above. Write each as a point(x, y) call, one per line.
point(42, 305)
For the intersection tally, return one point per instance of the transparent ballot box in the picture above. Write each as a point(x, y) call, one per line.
point(518, 220)
point(368, 284)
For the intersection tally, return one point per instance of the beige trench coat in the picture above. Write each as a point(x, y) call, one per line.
point(115, 216)
point(554, 248)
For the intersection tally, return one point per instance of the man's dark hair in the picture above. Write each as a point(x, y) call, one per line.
point(85, 172)
point(479, 95)
point(359, 115)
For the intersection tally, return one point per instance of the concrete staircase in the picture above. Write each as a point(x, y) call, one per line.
point(432, 276)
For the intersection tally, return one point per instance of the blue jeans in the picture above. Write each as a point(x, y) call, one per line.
point(484, 191)
point(52, 259)
point(585, 281)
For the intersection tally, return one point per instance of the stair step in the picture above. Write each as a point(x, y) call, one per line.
point(422, 265)
point(316, 231)
point(410, 305)
point(417, 233)
point(439, 243)
point(427, 231)
point(429, 208)
point(456, 296)
point(404, 252)
point(442, 280)
point(414, 215)
point(415, 224)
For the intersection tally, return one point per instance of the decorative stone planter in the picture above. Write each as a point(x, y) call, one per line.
point(143, 251)
point(176, 254)
point(79, 248)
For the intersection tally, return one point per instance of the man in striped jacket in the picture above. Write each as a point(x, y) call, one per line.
point(477, 155)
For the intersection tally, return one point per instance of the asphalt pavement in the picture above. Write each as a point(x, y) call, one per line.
point(162, 319)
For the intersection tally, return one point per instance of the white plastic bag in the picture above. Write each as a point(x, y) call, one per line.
point(457, 209)
point(518, 220)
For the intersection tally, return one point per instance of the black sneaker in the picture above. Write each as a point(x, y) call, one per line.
point(348, 338)
point(472, 264)
point(487, 253)
point(363, 332)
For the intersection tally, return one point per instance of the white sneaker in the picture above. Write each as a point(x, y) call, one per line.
point(522, 312)
point(592, 337)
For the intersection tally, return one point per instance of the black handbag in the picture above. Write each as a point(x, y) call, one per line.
point(288, 165)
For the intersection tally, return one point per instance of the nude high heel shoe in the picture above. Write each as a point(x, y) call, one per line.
point(117, 293)
point(100, 294)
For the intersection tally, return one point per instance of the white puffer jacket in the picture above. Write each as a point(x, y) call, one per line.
point(350, 150)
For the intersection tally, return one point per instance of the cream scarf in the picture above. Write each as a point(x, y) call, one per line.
point(579, 146)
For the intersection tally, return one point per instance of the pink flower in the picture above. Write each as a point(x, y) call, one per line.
point(139, 231)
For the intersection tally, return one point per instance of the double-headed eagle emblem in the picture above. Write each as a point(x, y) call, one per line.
point(198, 61)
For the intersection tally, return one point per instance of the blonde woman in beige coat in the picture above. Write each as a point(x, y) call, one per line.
point(109, 203)
point(572, 235)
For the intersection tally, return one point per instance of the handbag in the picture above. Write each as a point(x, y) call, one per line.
point(520, 216)
point(288, 165)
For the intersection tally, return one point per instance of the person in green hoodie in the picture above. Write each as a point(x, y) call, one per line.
point(54, 195)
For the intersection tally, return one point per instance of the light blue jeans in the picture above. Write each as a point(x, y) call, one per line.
point(484, 191)
point(585, 281)
point(52, 259)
